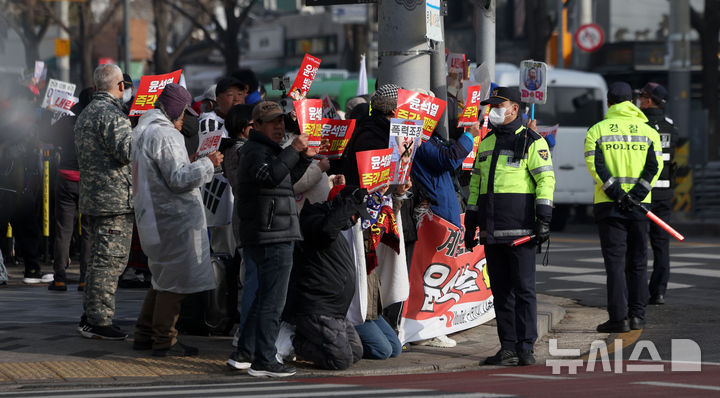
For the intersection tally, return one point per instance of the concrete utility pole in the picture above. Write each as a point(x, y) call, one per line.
point(126, 37)
point(63, 63)
point(438, 79)
point(485, 41)
point(678, 107)
point(403, 51)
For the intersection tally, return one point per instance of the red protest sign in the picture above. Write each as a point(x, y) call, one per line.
point(449, 285)
point(309, 117)
point(305, 77)
point(408, 106)
point(149, 89)
point(374, 168)
point(456, 63)
point(416, 106)
point(472, 107)
point(337, 133)
point(470, 159)
point(434, 108)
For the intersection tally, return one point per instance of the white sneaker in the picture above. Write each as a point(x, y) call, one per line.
point(31, 280)
point(47, 278)
point(439, 341)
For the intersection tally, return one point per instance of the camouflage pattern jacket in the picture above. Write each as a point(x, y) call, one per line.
point(102, 138)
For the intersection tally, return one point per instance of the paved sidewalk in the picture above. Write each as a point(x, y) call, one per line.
point(39, 343)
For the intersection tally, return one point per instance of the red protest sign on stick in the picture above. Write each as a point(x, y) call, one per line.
point(149, 89)
point(309, 117)
point(305, 77)
point(408, 106)
point(434, 108)
point(416, 106)
point(470, 159)
point(472, 107)
point(337, 133)
point(374, 168)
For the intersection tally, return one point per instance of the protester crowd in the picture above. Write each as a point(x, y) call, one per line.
point(321, 258)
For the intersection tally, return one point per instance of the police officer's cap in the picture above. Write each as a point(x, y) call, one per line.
point(619, 92)
point(502, 94)
point(656, 92)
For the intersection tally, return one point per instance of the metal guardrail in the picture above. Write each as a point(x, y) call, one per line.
point(706, 191)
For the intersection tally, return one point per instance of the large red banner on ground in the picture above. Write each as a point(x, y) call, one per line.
point(449, 286)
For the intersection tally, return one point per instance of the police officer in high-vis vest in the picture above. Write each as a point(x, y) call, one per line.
point(511, 192)
point(651, 100)
point(623, 154)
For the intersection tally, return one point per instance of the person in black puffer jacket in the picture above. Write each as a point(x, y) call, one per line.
point(373, 131)
point(269, 228)
point(323, 281)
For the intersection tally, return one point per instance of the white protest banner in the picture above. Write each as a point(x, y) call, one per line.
point(533, 82)
point(60, 104)
point(329, 111)
point(55, 86)
point(404, 140)
point(39, 71)
point(209, 142)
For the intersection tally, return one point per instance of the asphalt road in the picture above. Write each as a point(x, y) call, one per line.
point(691, 311)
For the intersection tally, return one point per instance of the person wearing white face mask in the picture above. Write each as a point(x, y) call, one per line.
point(511, 192)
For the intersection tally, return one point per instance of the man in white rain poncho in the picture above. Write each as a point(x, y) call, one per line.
point(170, 220)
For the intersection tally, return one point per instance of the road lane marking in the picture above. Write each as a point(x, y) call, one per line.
point(713, 273)
point(679, 385)
point(673, 263)
point(566, 270)
point(702, 256)
point(575, 249)
point(579, 289)
point(602, 280)
point(523, 376)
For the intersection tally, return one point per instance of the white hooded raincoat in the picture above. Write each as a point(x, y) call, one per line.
point(169, 211)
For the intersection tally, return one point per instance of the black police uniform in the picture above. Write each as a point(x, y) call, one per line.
point(662, 194)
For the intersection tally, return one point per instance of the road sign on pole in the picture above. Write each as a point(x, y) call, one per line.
point(589, 37)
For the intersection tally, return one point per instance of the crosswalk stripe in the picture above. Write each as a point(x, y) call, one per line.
point(713, 273)
point(567, 270)
point(575, 249)
point(702, 256)
point(579, 289)
point(602, 280)
point(673, 263)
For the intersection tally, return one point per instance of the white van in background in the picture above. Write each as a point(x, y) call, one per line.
point(575, 101)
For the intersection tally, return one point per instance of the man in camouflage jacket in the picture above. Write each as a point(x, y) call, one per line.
point(102, 138)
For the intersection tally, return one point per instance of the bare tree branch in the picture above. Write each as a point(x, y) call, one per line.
point(181, 46)
point(105, 19)
point(193, 19)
